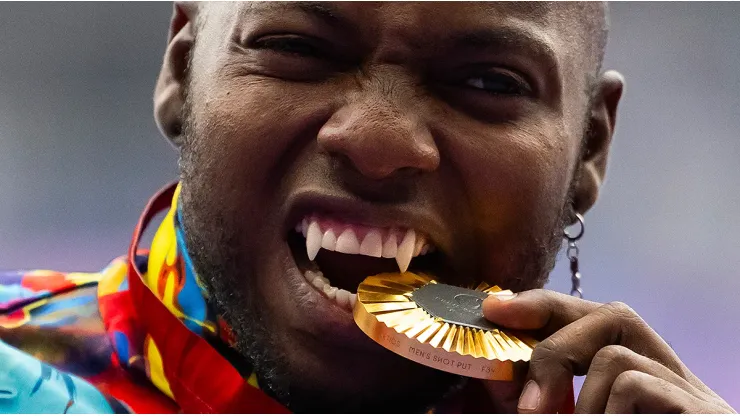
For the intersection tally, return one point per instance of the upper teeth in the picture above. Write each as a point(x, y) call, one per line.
point(373, 241)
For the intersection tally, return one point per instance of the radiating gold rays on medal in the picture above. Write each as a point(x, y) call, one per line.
point(388, 298)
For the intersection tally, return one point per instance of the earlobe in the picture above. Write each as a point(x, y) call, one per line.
point(169, 94)
point(601, 123)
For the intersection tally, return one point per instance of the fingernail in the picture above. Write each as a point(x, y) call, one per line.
point(504, 295)
point(530, 398)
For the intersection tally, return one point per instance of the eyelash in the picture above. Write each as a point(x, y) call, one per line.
point(291, 45)
point(510, 84)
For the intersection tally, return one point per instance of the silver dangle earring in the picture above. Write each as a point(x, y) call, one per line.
point(572, 253)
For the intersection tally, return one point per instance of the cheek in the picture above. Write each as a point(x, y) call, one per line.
point(247, 133)
point(517, 179)
point(241, 129)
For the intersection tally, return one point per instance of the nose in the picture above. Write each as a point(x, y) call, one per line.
point(379, 136)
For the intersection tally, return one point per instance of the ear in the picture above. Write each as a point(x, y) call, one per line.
point(602, 119)
point(169, 94)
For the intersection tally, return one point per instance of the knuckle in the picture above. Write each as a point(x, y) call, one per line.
point(620, 308)
point(620, 312)
point(610, 355)
point(543, 351)
point(626, 383)
point(550, 350)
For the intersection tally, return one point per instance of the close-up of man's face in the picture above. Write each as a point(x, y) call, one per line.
point(454, 139)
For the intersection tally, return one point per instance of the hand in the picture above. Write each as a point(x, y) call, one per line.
point(629, 368)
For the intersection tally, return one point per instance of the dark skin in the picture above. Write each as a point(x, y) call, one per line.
point(486, 126)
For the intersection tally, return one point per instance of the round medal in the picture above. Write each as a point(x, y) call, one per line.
point(438, 325)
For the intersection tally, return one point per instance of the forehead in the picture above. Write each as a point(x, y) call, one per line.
point(418, 23)
point(391, 12)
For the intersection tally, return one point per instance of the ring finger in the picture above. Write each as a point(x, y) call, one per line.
point(607, 365)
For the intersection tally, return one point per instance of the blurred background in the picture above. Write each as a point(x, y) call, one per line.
point(80, 155)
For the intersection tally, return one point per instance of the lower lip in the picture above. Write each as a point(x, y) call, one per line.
point(324, 320)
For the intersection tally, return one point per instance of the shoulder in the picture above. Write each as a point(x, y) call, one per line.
point(56, 316)
point(43, 296)
point(21, 286)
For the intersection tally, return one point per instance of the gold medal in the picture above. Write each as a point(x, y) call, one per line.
point(439, 325)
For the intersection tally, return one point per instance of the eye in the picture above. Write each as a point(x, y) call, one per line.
point(501, 83)
point(291, 45)
point(291, 56)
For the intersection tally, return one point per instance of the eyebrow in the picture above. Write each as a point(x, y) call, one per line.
point(497, 39)
point(483, 38)
point(321, 10)
point(504, 38)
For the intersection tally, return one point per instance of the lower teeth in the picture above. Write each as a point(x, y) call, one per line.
point(341, 297)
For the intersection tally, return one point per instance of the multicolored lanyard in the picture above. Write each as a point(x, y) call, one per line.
point(201, 380)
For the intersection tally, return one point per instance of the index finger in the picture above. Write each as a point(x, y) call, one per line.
point(536, 309)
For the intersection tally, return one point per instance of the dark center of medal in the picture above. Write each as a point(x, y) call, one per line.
point(453, 305)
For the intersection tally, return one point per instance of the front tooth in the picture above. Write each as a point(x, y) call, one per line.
point(406, 250)
point(304, 226)
point(313, 240)
point(372, 245)
point(329, 241)
point(390, 248)
point(352, 300)
point(347, 243)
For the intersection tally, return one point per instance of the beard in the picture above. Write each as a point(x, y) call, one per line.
point(215, 248)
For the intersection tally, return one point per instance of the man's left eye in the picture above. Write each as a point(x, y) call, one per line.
point(498, 83)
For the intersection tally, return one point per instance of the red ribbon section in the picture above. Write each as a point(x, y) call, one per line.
point(201, 380)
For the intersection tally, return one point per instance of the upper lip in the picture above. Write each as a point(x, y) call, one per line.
point(351, 210)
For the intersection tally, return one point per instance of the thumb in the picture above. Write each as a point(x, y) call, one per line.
point(504, 395)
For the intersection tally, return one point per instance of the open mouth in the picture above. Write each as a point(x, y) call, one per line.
point(336, 256)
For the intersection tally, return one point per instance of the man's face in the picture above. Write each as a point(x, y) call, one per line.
point(461, 122)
